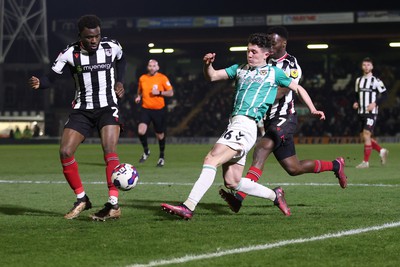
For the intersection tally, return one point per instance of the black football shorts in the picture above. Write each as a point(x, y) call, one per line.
point(84, 121)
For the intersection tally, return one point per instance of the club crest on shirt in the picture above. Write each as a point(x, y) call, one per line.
point(294, 73)
point(108, 52)
point(263, 72)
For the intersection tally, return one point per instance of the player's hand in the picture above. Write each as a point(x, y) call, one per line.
point(119, 89)
point(137, 99)
point(34, 82)
point(355, 105)
point(319, 113)
point(371, 106)
point(209, 58)
point(155, 91)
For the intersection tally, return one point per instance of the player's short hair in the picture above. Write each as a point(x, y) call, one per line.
point(88, 21)
point(279, 30)
point(260, 39)
point(368, 59)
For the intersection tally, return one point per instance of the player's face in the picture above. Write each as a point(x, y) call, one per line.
point(256, 56)
point(90, 39)
point(367, 67)
point(278, 48)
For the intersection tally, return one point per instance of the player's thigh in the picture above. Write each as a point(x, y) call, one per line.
point(109, 127)
point(70, 140)
point(219, 155)
point(262, 149)
point(109, 138)
point(76, 129)
point(159, 119)
point(368, 123)
point(81, 121)
point(145, 116)
point(286, 149)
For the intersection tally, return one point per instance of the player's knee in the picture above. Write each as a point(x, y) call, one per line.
point(66, 153)
point(230, 181)
point(231, 184)
point(293, 171)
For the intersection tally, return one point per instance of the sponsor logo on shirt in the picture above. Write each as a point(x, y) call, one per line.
point(96, 67)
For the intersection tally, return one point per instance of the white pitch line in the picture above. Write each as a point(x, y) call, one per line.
point(191, 184)
point(189, 258)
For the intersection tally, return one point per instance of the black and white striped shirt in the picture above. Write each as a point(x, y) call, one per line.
point(285, 105)
point(94, 73)
point(368, 88)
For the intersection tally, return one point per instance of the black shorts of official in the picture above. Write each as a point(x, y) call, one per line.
point(281, 130)
point(84, 121)
point(157, 116)
point(368, 122)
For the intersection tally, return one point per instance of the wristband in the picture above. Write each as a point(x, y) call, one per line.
point(160, 93)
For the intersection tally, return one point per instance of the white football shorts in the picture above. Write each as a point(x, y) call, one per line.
point(240, 135)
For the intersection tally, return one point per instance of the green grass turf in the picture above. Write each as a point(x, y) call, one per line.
point(34, 197)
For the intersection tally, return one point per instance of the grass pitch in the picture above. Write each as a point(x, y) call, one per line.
point(329, 226)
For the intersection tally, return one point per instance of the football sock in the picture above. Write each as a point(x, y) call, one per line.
point(161, 144)
point(254, 174)
point(255, 189)
point(323, 166)
point(206, 179)
point(71, 174)
point(81, 195)
point(113, 200)
point(143, 141)
point(375, 145)
point(112, 161)
point(367, 152)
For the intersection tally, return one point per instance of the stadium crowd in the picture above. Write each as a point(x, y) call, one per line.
point(201, 109)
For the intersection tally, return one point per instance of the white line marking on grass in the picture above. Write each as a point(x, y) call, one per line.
point(335, 184)
point(191, 184)
point(189, 258)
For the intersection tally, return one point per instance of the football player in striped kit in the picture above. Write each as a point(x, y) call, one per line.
point(97, 65)
point(280, 124)
point(370, 93)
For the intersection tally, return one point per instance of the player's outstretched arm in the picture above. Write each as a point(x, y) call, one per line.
point(210, 73)
point(44, 81)
point(305, 97)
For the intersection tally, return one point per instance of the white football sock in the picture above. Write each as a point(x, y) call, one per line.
point(201, 186)
point(252, 188)
point(113, 200)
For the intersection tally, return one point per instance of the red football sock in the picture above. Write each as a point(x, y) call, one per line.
point(112, 161)
point(375, 145)
point(71, 174)
point(367, 152)
point(254, 174)
point(323, 166)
